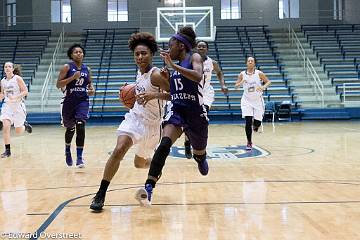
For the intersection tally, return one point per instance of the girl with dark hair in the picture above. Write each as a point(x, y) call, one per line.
point(186, 112)
point(142, 124)
point(76, 78)
point(13, 91)
point(254, 82)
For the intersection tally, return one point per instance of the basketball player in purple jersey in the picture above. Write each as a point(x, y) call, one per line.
point(76, 78)
point(186, 112)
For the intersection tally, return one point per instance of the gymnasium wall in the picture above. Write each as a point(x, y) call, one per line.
point(142, 13)
point(352, 10)
point(2, 14)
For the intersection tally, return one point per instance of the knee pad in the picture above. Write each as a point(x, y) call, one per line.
point(80, 125)
point(80, 133)
point(69, 134)
point(70, 130)
point(199, 158)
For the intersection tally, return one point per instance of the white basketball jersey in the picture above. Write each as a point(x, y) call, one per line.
point(208, 68)
point(11, 88)
point(252, 81)
point(152, 112)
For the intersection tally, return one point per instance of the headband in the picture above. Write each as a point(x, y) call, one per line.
point(183, 40)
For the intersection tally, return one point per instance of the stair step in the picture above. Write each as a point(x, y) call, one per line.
point(325, 114)
point(43, 118)
point(325, 117)
point(302, 87)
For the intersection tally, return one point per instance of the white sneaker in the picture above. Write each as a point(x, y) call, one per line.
point(143, 196)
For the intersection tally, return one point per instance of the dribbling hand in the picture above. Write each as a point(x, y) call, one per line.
point(144, 97)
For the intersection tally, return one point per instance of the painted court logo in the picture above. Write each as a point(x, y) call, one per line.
point(230, 152)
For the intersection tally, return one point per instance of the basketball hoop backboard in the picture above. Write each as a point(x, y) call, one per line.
point(170, 19)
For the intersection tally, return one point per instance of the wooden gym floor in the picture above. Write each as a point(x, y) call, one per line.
point(301, 182)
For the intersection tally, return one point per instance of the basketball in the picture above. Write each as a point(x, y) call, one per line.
point(127, 95)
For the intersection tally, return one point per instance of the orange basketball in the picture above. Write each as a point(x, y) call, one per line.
point(127, 95)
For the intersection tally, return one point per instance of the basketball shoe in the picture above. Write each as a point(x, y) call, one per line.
point(97, 203)
point(143, 195)
point(249, 146)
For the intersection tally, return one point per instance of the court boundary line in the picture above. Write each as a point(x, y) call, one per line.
point(336, 181)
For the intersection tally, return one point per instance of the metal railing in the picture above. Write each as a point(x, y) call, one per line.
point(346, 91)
point(50, 75)
point(309, 69)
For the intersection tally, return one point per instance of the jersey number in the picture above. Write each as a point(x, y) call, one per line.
point(178, 84)
point(79, 82)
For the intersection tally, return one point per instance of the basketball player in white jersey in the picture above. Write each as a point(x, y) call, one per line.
point(210, 65)
point(13, 91)
point(142, 124)
point(254, 82)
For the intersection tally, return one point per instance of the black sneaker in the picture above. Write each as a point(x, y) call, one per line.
point(5, 154)
point(98, 202)
point(188, 153)
point(28, 127)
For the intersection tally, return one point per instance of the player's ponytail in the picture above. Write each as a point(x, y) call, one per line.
point(17, 69)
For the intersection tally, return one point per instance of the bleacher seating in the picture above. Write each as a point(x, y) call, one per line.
point(349, 92)
point(25, 48)
point(338, 49)
point(231, 48)
point(112, 65)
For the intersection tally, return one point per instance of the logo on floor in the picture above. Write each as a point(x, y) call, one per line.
point(230, 152)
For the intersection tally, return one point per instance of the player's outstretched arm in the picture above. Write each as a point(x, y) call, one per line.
point(220, 77)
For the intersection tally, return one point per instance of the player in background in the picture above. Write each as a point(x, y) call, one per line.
point(254, 83)
point(76, 78)
point(13, 111)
